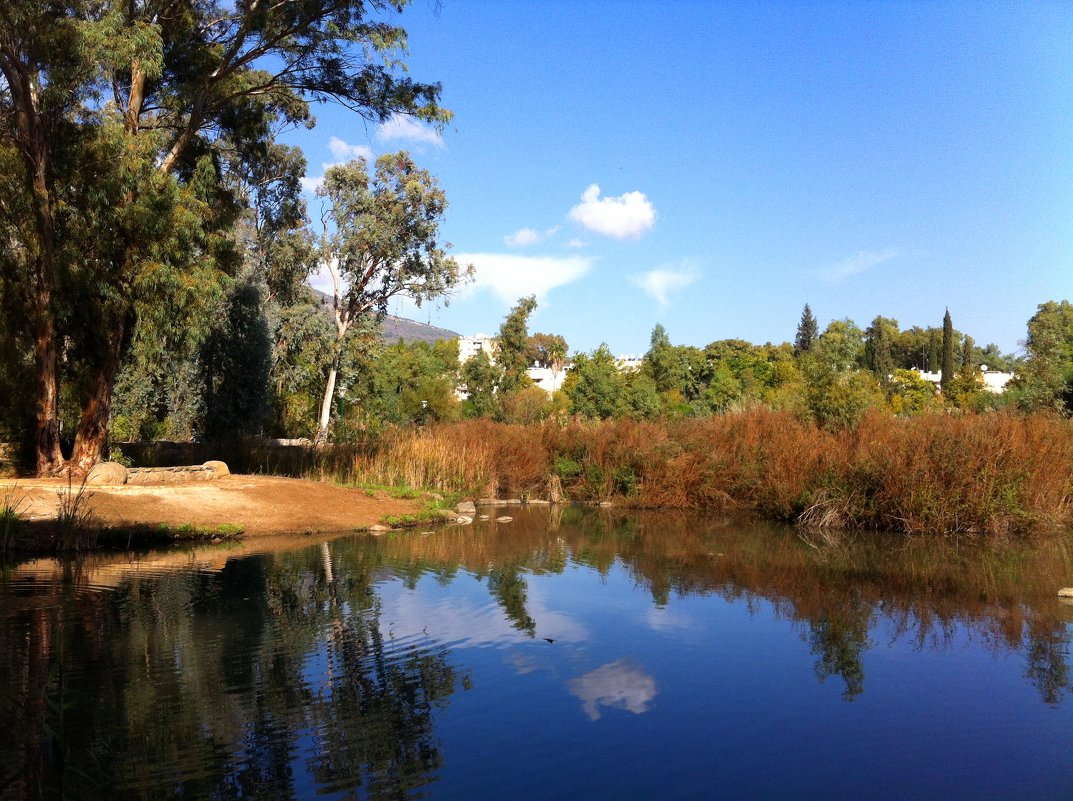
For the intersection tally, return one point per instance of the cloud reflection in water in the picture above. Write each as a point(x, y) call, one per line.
point(618, 684)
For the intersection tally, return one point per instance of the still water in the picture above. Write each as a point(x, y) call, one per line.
point(570, 654)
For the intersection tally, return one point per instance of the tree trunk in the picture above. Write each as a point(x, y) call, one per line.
point(48, 457)
point(326, 404)
point(30, 135)
point(92, 436)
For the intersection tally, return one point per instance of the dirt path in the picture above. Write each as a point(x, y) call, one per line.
point(260, 505)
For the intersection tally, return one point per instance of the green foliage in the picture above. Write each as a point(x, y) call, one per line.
point(12, 520)
point(547, 350)
point(405, 383)
point(235, 361)
point(481, 379)
point(840, 347)
point(512, 346)
point(123, 212)
point(1046, 380)
point(910, 393)
point(594, 385)
point(385, 244)
point(879, 343)
point(642, 398)
point(839, 399)
point(948, 354)
point(807, 331)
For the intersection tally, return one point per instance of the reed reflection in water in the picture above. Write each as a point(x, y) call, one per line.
point(568, 654)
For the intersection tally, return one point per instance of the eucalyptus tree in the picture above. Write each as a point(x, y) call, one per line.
point(115, 118)
point(382, 242)
point(512, 346)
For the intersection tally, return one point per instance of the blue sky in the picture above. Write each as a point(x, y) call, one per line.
point(714, 166)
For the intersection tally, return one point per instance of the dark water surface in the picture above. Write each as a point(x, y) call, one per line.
point(570, 654)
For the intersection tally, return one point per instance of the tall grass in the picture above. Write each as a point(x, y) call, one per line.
point(995, 474)
point(991, 474)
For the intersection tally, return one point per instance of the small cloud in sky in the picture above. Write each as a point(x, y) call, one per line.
point(624, 217)
point(524, 237)
point(312, 184)
point(343, 151)
point(408, 129)
point(510, 276)
point(577, 244)
point(864, 261)
point(659, 283)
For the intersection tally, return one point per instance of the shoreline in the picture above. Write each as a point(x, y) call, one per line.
point(224, 508)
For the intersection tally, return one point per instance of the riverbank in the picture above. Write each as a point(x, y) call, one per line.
point(252, 506)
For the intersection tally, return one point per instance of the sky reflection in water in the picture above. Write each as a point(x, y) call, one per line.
point(581, 655)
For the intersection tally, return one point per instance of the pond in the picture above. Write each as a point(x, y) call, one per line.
point(570, 653)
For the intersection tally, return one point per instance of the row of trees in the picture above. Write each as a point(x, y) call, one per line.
point(832, 376)
point(144, 195)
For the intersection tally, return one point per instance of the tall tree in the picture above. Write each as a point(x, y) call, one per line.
point(512, 346)
point(807, 331)
point(385, 243)
point(841, 345)
point(1046, 381)
point(947, 378)
point(879, 341)
point(124, 197)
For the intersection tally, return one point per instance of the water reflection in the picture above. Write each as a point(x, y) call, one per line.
point(329, 668)
point(619, 684)
point(261, 680)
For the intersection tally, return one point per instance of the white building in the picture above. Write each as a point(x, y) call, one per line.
point(994, 380)
point(468, 347)
point(544, 377)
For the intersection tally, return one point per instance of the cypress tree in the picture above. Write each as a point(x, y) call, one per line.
point(948, 354)
point(807, 331)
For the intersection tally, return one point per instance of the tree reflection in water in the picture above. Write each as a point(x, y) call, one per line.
point(264, 680)
point(838, 586)
point(275, 676)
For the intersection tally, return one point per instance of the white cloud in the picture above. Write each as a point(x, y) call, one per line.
point(409, 129)
point(511, 276)
point(659, 283)
point(624, 217)
point(577, 244)
point(522, 238)
point(344, 151)
point(311, 185)
point(862, 262)
point(525, 237)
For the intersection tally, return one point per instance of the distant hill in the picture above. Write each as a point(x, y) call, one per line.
point(396, 328)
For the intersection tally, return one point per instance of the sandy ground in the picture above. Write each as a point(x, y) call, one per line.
point(260, 505)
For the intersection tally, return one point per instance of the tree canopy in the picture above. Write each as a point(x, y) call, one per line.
point(119, 124)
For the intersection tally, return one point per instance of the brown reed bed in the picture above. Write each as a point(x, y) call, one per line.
point(993, 474)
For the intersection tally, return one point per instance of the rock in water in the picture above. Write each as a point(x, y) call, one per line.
point(466, 508)
point(107, 473)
